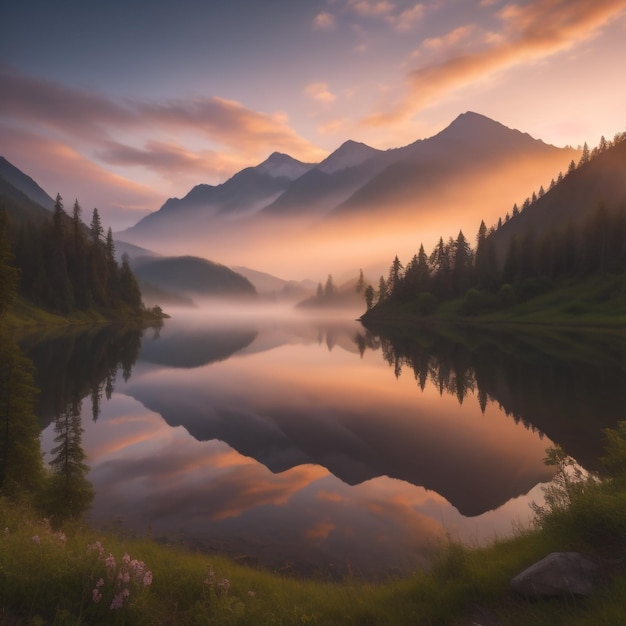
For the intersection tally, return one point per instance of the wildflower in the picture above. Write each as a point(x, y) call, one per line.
point(224, 585)
point(117, 602)
point(96, 595)
point(125, 592)
point(100, 583)
point(36, 539)
point(6, 532)
point(252, 594)
point(96, 547)
point(109, 562)
point(147, 579)
point(126, 558)
point(61, 537)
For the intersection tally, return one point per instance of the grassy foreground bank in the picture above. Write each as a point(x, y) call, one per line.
point(75, 575)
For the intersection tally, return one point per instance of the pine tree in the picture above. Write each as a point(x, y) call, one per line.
point(382, 290)
point(329, 288)
point(360, 283)
point(584, 157)
point(129, 287)
point(70, 493)
point(394, 281)
point(21, 464)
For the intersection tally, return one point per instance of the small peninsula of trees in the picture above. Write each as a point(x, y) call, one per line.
point(63, 266)
point(488, 277)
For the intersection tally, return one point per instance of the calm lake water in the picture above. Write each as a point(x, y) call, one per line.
point(316, 446)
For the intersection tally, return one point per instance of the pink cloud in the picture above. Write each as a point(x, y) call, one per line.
point(531, 32)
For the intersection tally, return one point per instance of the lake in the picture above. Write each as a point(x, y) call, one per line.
point(315, 446)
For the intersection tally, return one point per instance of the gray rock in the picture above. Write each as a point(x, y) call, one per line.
point(560, 573)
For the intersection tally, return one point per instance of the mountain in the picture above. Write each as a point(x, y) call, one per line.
point(20, 181)
point(457, 155)
point(330, 182)
point(359, 203)
point(21, 196)
point(575, 198)
point(188, 275)
point(243, 194)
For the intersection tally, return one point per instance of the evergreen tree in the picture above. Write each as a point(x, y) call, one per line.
point(96, 228)
point(129, 287)
point(369, 296)
point(382, 290)
point(584, 157)
point(462, 265)
point(394, 281)
point(329, 288)
point(70, 493)
point(360, 283)
point(21, 465)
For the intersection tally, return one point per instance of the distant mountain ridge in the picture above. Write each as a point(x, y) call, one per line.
point(244, 193)
point(357, 179)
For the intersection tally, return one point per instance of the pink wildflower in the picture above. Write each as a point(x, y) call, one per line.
point(126, 558)
point(109, 562)
point(36, 539)
point(117, 602)
point(147, 579)
point(96, 595)
point(61, 537)
point(100, 583)
point(96, 547)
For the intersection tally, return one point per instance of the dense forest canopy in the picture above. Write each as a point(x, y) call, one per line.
point(62, 265)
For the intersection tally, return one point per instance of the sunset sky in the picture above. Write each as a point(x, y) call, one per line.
point(124, 104)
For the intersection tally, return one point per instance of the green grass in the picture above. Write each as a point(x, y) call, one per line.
point(48, 576)
point(593, 303)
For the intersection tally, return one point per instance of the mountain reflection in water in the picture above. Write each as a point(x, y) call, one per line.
point(301, 448)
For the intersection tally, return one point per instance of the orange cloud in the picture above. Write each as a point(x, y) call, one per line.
point(449, 39)
point(320, 93)
point(532, 32)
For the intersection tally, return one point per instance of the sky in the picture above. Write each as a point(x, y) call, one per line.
point(123, 104)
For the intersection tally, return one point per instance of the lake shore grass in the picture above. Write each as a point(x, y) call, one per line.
point(77, 575)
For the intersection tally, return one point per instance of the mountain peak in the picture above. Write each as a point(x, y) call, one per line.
point(349, 154)
point(279, 165)
point(474, 127)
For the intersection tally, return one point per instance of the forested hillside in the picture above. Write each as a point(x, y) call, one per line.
point(61, 265)
point(566, 234)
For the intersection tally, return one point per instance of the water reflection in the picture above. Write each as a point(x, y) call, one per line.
point(567, 385)
point(292, 443)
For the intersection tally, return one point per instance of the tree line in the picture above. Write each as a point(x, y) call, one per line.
point(63, 265)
